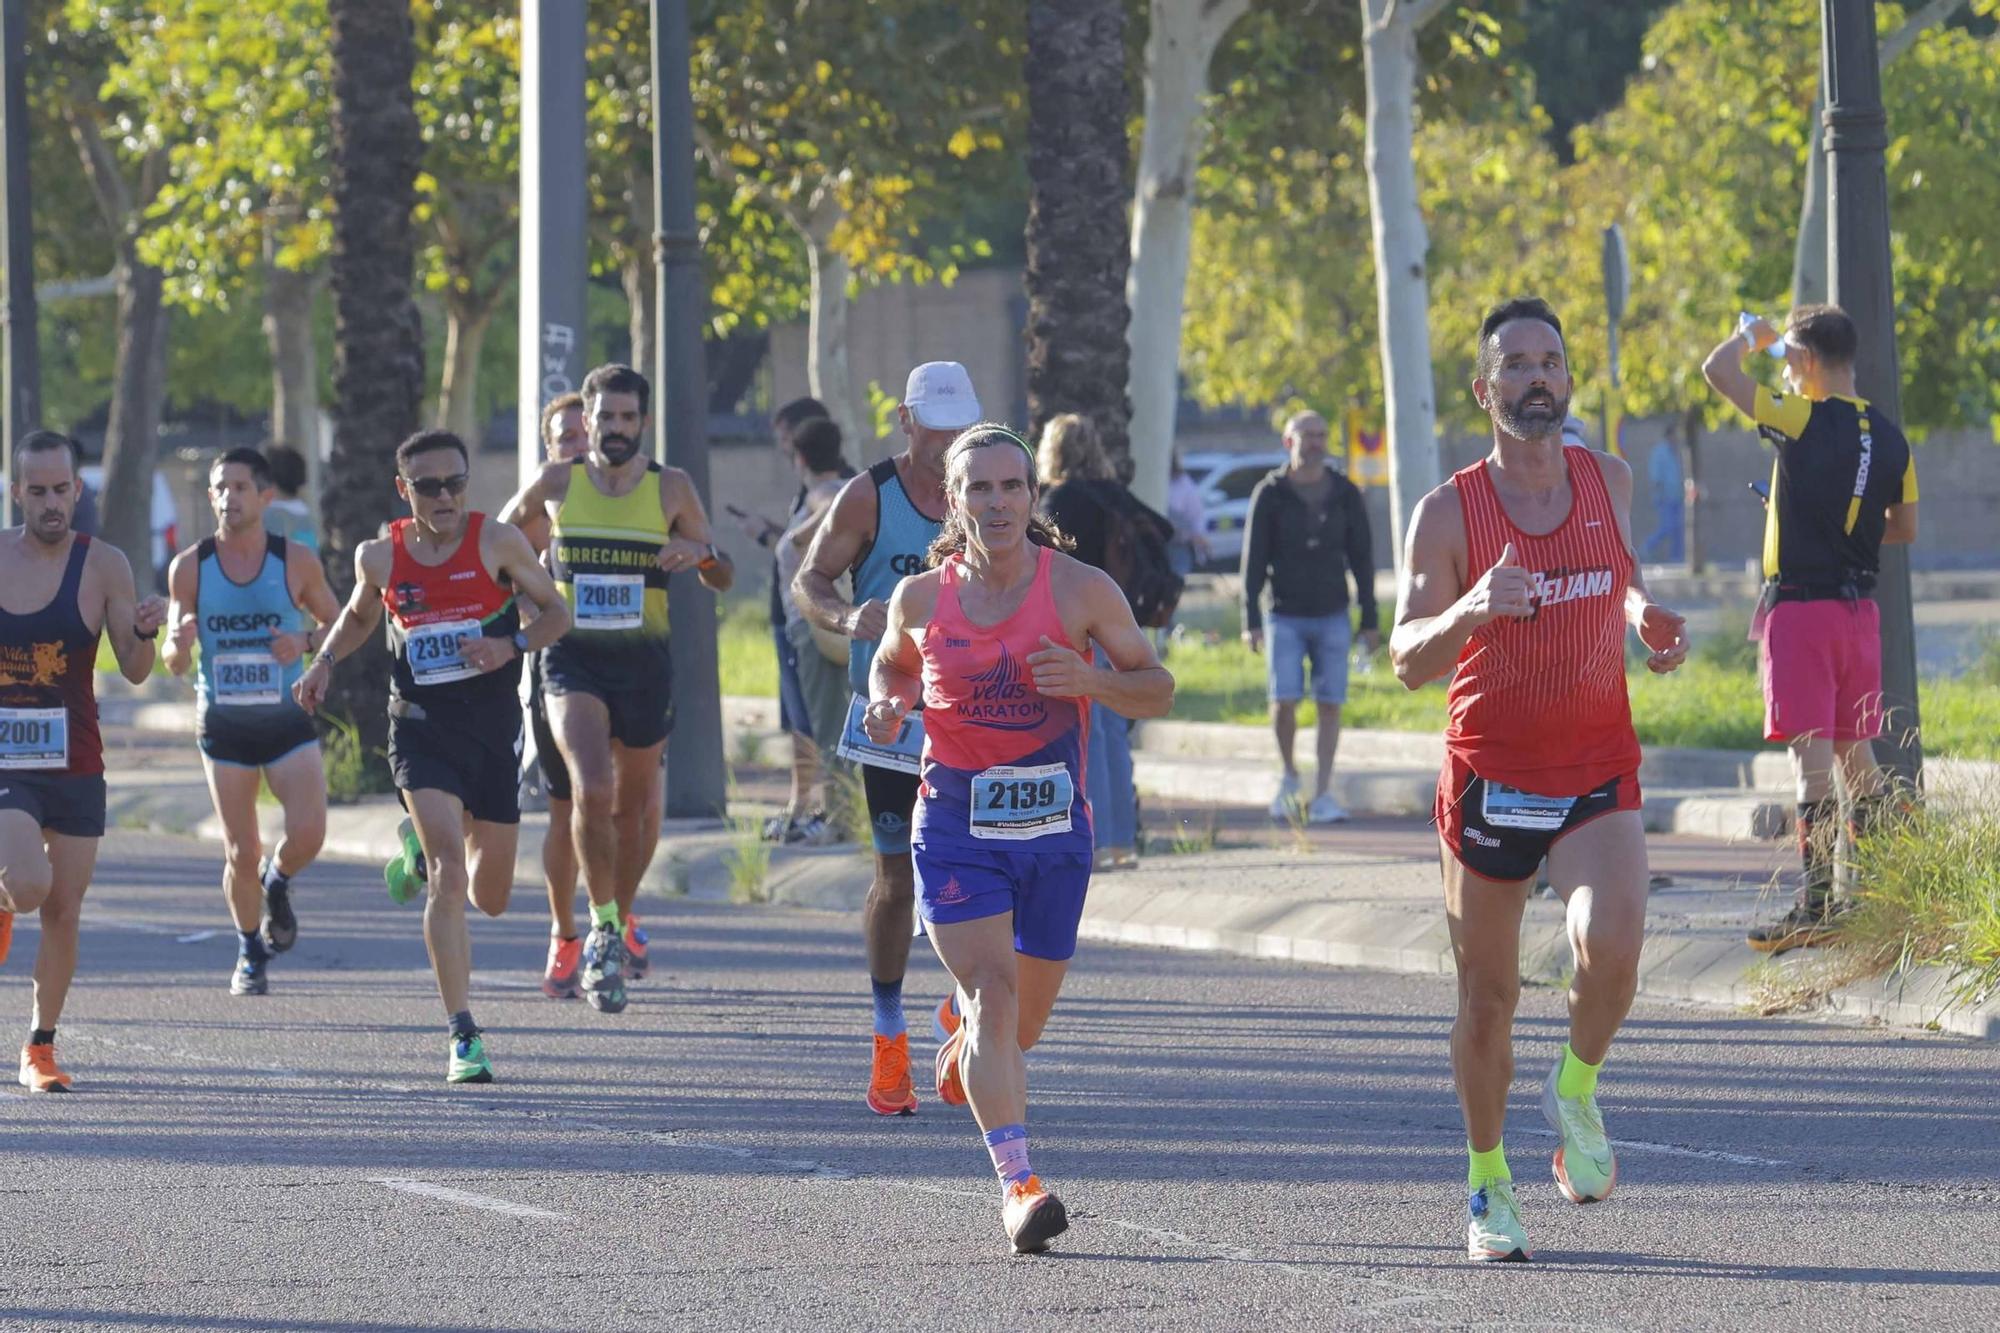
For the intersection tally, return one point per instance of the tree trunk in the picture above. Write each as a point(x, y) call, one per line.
point(636, 273)
point(1402, 285)
point(288, 329)
point(1691, 488)
point(378, 337)
point(1079, 238)
point(466, 321)
point(1179, 46)
point(131, 439)
point(827, 375)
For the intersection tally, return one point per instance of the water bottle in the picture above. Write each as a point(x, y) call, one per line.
point(1743, 322)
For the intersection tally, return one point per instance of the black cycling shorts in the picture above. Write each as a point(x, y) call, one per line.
point(1501, 833)
point(892, 804)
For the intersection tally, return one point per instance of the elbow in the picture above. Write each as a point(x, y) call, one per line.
point(1403, 662)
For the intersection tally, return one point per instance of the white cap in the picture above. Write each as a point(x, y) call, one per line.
point(939, 395)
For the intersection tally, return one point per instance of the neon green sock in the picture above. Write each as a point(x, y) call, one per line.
point(1577, 1078)
point(1486, 1166)
point(606, 914)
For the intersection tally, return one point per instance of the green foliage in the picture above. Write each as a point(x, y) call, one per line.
point(349, 774)
point(749, 862)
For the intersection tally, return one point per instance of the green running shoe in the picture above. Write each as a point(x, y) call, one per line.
point(1585, 1167)
point(406, 875)
point(1493, 1233)
point(468, 1061)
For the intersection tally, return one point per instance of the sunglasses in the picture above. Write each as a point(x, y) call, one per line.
point(432, 487)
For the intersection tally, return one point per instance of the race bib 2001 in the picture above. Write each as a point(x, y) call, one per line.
point(34, 738)
point(1015, 804)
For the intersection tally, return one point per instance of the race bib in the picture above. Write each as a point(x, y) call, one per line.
point(34, 738)
point(1509, 807)
point(609, 601)
point(437, 652)
point(904, 754)
point(247, 678)
point(1019, 803)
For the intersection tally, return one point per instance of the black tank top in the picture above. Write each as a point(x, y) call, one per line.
point(48, 698)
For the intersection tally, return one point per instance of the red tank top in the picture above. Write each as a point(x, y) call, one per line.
point(433, 609)
point(1541, 704)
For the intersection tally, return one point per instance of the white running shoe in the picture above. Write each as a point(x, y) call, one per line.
point(1493, 1232)
point(1326, 810)
point(1286, 803)
point(1584, 1167)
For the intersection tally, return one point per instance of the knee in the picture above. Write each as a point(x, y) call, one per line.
point(445, 875)
point(595, 797)
point(242, 855)
point(1486, 1005)
point(992, 1009)
point(1608, 958)
point(305, 834)
point(28, 886)
point(1284, 711)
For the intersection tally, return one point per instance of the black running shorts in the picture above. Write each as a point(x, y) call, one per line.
point(71, 804)
point(475, 757)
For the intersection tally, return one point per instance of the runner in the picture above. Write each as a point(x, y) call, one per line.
point(243, 596)
point(59, 591)
point(443, 575)
point(565, 437)
point(880, 529)
point(619, 525)
point(1521, 580)
point(989, 641)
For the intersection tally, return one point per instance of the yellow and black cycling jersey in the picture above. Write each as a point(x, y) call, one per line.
point(1840, 465)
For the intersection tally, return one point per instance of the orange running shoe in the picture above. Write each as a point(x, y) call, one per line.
point(559, 978)
point(636, 965)
point(950, 1087)
point(1033, 1216)
point(946, 1020)
point(6, 934)
point(38, 1069)
point(889, 1090)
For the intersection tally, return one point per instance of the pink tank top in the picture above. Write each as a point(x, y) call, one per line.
point(1003, 764)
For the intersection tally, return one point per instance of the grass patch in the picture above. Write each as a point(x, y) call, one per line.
point(1189, 839)
point(349, 775)
point(746, 658)
point(749, 861)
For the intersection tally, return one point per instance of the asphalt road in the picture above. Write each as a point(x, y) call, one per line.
point(1241, 1144)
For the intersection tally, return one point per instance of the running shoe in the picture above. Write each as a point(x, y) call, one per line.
point(776, 828)
point(946, 1020)
point(1800, 928)
point(1033, 1216)
point(1286, 803)
point(603, 972)
point(815, 830)
point(281, 928)
point(1584, 1167)
point(889, 1090)
point(1325, 810)
point(468, 1063)
point(565, 957)
point(6, 934)
point(249, 978)
point(1493, 1233)
point(38, 1069)
point(406, 874)
point(637, 965)
point(950, 1084)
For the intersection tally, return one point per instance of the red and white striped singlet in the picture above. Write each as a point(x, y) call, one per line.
point(1541, 704)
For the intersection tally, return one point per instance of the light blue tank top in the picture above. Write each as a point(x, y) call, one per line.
point(903, 538)
point(236, 670)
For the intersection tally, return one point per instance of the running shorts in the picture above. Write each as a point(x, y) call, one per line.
point(253, 738)
point(640, 698)
point(71, 804)
point(1501, 833)
point(1044, 891)
point(892, 803)
point(476, 758)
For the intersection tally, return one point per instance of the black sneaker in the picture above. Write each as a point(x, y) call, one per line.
point(1800, 928)
point(249, 977)
point(281, 928)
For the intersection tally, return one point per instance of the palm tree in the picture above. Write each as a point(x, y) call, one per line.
point(1079, 238)
point(378, 375)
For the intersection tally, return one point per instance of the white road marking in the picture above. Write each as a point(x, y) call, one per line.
point(197, 937)
point(465, 1198)
point(1670, 1150)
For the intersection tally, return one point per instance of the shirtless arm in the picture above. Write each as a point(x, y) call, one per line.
point(529, 509)
point(689, 538)
point(1663, 632)
point(184, 585)
point(835, 548)
point(132, 624)
point(506, 551)
point(305, 578)
point(1135, 684)
point(356, 622)
point(1436, 614)
point(895, 677)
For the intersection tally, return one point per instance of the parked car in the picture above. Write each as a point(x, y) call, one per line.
point(1226, 480)
point(166, 522)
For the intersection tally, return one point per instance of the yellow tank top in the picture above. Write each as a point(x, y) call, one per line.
point(604, 553)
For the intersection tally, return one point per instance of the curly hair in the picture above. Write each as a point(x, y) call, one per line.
point(1071, 450)
point(957, 533)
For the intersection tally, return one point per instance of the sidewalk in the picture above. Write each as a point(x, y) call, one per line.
point(1359, 895)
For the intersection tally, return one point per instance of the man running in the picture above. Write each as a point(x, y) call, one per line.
point(880, 529)
point(565, 437)
point(989, 641)
point(619, 526)
point(243, 597)
point(58, 591)
point(1521, 580)
point(444, 574)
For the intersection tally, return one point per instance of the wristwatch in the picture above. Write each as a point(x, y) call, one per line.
point(711, 560)
point(521, 642)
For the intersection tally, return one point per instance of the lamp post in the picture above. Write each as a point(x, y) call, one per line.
point(1617, 285)
point(22, 368)
point(555, 222)
point(1860, 281)
point(696, 780)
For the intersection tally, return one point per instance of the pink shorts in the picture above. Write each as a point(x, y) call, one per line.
point(1822, 668)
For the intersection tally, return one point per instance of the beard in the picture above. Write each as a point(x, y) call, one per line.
point(617, 448)
point(1532, 420)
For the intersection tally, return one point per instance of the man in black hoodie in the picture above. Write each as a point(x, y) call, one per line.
point(1308, 530)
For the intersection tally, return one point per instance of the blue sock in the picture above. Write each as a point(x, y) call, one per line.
point(250, 944)
point(889, 1008)
point(1008, 1146)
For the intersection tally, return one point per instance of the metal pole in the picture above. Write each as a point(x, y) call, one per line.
point(1861, 282)
point(697, 781)
point(555, 223)
point(22, 352)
